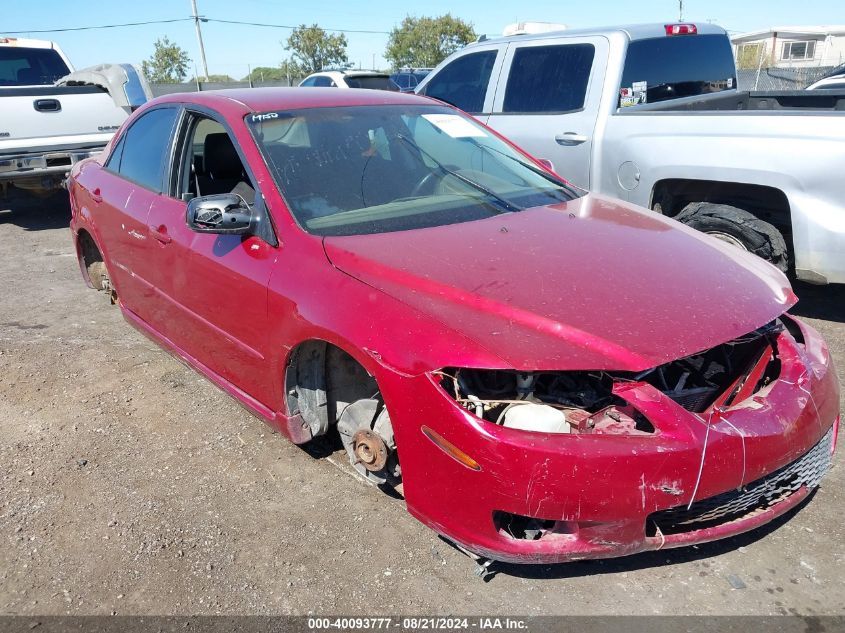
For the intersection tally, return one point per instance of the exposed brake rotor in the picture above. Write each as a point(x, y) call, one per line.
point(367, 435)
point(370, 450)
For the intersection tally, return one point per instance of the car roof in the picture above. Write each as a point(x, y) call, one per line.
point(243, 101)
point(348, 73)
point(632, 31)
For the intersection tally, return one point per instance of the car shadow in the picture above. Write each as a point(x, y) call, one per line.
point(820, 302)
point(35, 213)
point(644, 560)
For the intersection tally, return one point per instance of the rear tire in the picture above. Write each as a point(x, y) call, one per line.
point(739, 228)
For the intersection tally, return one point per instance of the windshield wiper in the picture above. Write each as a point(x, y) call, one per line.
point(475, 185)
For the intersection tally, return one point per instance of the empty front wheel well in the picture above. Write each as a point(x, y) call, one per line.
point(321, 380)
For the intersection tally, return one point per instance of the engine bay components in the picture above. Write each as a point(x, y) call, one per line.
point(585, 402)
point(535, 417)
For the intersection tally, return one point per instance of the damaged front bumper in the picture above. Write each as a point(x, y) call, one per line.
point(699, 476)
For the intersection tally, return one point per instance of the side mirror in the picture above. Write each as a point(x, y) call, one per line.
point(225, 213)
point(545, 162)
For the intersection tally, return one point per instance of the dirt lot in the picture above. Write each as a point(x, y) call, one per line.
point(131, 485)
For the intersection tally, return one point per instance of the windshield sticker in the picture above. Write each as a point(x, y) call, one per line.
point(454, 126)
point(730, 82)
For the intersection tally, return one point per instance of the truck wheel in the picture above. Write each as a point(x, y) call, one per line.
point(739, 228)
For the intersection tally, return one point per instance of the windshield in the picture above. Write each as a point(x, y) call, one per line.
point(374, 169)
point(30, 66)
point(676, 66)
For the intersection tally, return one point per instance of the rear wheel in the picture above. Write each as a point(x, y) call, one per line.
point(98, 274)
point(738, 228)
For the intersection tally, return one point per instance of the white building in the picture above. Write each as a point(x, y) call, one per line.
point(791, 46)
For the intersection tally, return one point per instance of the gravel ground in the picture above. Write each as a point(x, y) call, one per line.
point(131, 485)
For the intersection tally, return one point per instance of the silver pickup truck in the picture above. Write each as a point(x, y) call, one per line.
point(52, 117)
point(651, 114)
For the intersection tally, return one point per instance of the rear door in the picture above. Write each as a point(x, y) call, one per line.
point(547, 100)
point(468, 81)
point(122, 195)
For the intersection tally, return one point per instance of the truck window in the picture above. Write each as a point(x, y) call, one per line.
point(21, 66)
point(549, 78)
point(463, 82)
point(145, 146)
point(677, 66)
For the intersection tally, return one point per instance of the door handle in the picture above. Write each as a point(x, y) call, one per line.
point(95, 196)
point(160, 233)
point(571, 138)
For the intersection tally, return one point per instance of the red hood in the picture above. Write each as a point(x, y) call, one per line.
point(591, 284)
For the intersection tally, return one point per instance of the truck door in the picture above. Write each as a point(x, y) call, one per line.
point(547, 100)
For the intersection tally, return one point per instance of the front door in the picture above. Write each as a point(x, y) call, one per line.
point(216, 285)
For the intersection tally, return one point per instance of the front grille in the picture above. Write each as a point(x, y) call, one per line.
point(807, 470)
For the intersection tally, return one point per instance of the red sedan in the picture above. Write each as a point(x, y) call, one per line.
point(550, 375)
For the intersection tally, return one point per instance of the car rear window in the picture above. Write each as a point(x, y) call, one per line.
point(549, 78)
point(370, 83)
point(677, 66)
point(30, 66)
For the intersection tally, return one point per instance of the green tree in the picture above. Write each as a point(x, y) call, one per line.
point(425, 42)
point(266, 73)
point(312, 49)
point(168, 64)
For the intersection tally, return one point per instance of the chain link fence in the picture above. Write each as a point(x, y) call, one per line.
point(775, 78)
point(193, 86)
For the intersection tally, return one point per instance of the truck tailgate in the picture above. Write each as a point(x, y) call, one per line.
point(34, 118)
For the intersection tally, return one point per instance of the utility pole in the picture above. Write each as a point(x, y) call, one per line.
point(680, 11)
point(197, 20)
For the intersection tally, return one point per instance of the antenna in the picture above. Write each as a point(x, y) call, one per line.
point(680, 10)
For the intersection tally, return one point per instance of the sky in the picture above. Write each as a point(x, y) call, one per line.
point(233, 49)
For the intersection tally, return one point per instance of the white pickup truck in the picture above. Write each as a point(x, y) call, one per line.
point(52, 117)
point(651, 114)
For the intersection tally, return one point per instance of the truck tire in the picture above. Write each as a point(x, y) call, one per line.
point(738, 227)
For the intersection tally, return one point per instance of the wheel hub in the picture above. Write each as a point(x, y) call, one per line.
point(730, 239)
point(370, 450)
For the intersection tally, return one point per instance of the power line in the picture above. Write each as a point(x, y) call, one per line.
point(287, 26)
point(190, 19)
point(101, 26)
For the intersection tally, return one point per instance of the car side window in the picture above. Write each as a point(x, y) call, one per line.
point(323, 82)
point(211, 163)
point(113, 162)
point(549, 78)
point(145, 148)
point(463, 82)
